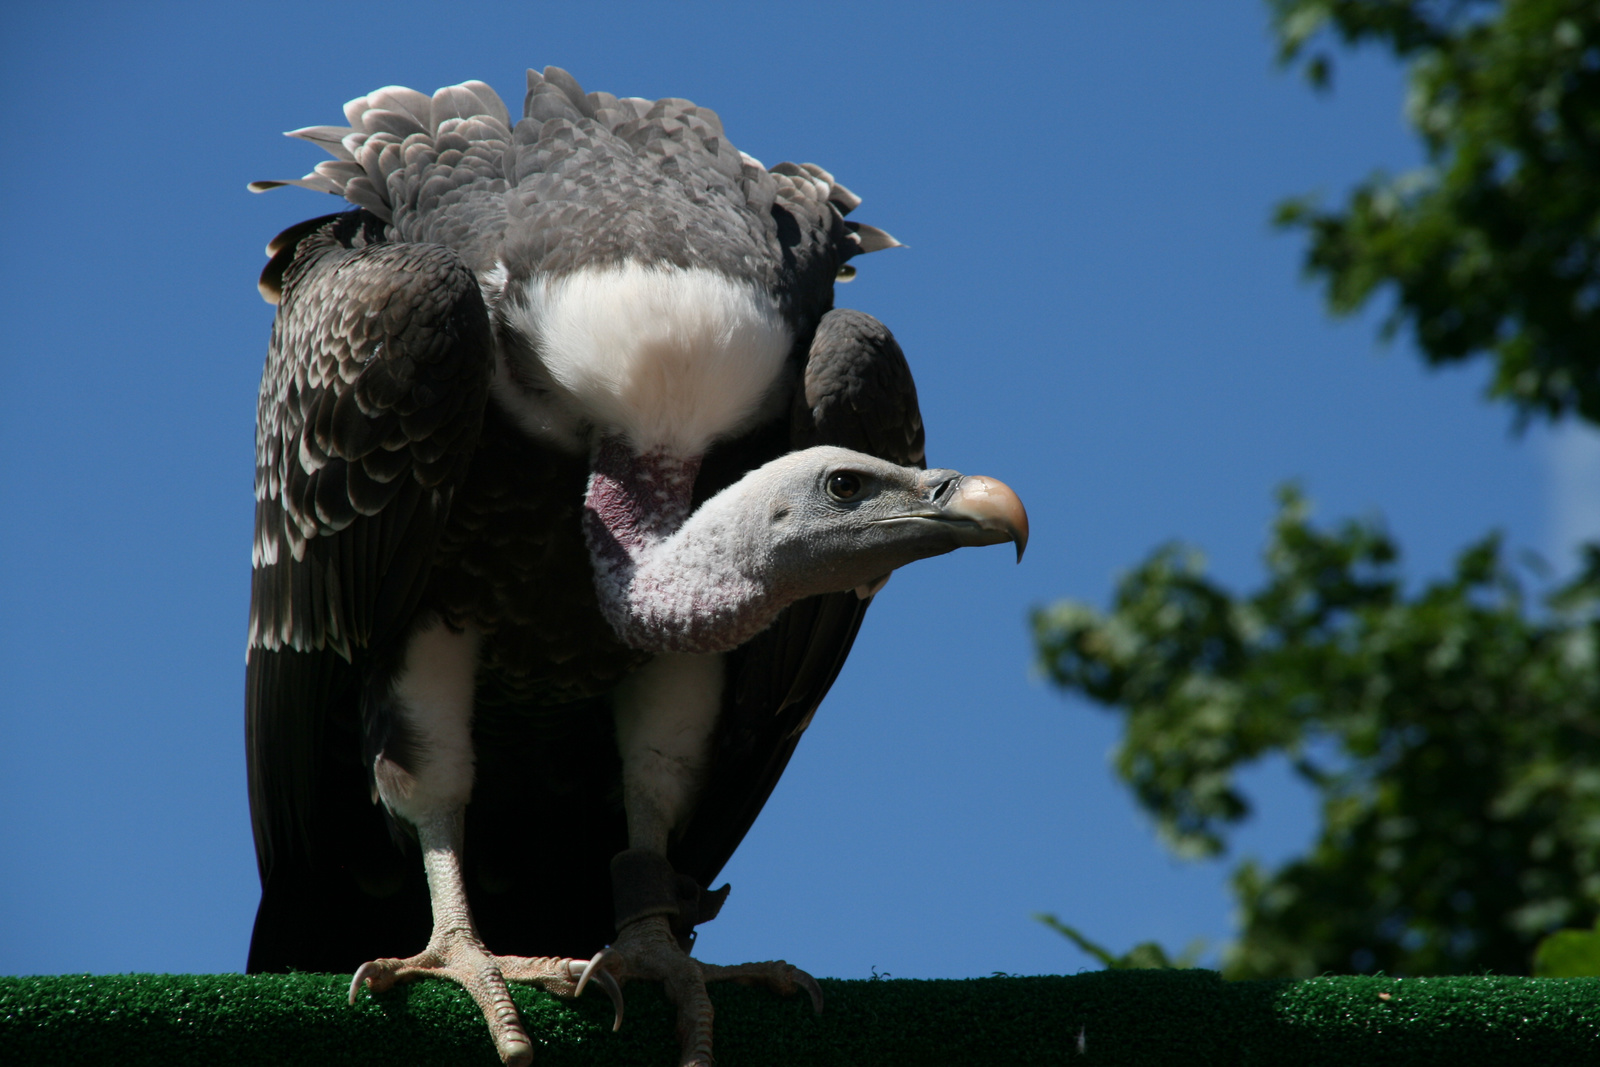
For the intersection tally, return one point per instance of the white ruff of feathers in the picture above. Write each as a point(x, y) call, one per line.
point(669, 359)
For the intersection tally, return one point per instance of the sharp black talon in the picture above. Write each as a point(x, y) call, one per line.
point(362, 972)
point(815, 990)
point(606, 982)
point(588, 969)
point(614, 991)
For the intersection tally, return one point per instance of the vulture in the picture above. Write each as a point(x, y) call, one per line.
point(572, 488)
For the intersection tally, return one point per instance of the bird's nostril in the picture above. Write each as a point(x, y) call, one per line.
point(945, 488)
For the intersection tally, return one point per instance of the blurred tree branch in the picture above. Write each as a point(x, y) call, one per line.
point(1453, 735)
point(1493, 248)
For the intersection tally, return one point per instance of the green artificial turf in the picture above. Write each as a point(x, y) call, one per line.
point(1149, 1018)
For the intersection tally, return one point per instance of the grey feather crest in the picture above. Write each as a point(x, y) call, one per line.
point(454, 156)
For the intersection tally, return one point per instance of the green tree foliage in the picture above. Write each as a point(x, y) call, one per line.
point(1494, 247)
point(1569, 954)
point(1145, 956)
point(1452, 736)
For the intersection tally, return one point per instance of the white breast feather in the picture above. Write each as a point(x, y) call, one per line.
point(434, 694)
point(665, 714)
point(672, 359)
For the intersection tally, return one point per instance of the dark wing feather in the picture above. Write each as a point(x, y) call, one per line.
point(857, 393)
point(371, 404)
point(587, 180)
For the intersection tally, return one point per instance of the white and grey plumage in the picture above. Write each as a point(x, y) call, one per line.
point(572, 489)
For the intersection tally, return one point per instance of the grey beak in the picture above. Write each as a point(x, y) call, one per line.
point(985, 510)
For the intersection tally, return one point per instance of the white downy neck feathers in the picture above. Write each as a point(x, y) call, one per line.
point(670, 359)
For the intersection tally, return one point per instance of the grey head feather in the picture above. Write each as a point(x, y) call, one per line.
point(329, 138)
point(870, 238)
point(585, 180)
point(395, 98)
point(558, 80)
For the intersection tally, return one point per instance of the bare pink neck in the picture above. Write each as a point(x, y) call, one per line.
point(635, 501)
point(665, 586)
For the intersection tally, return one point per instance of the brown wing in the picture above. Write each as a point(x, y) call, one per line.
point(857, 393)
point(370, 408)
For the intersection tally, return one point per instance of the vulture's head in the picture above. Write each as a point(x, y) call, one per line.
point(825, 520)
point(821, 520)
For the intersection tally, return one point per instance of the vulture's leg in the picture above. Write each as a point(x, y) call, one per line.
point(457, 952)
point(665, 716)
point(424, 774)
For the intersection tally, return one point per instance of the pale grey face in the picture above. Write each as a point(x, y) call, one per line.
point(838, 519)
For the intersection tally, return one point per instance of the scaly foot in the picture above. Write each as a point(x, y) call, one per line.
point(460, 956)
point(647, 950)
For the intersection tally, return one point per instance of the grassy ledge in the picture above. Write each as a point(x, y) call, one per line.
point(1149, 1018)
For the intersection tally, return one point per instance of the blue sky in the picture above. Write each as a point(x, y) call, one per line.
point(1092, 299)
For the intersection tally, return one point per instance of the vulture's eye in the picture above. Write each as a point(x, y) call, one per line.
point(847, 273)
point(842, 485)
